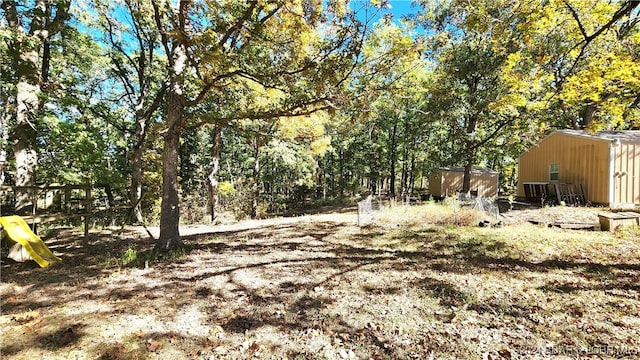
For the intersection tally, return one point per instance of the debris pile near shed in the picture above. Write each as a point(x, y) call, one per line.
point(556, 216)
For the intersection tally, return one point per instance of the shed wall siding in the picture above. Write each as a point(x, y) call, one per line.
point(451, 181)
point(435, 184)
point(581, 161)
point(447, 182)
point(486, 184)
point(627, 174)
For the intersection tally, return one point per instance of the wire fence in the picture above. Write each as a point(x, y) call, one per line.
point(367, 210)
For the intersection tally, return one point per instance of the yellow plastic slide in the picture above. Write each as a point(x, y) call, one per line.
point(17, 230)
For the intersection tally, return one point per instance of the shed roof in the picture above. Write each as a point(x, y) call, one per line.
point(632, 136)
point(474, 170)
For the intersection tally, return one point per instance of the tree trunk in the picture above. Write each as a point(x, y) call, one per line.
point(470, 151)
point(466, 182)
point(4, 131)
point(27, 107)
point(468, 167)
point(331, 174)
point(138, 88)
point(256, 180)
point(136, 184)
point(412, 174)
point(341, 182)
point(29, 68)
point(170, 206)
point(46, 49)
point(405, 157)
point(214, 198)
point(25, 150)
point(405, 171)
point(137, 163)
point(110, 199)
point(589, 114)
point(392, 161)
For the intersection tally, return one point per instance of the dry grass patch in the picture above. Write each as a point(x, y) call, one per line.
point(451, 212)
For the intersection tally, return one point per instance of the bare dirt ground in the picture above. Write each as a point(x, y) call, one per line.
point(317, 286)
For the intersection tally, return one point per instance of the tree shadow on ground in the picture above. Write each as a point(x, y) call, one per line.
point(46, 333)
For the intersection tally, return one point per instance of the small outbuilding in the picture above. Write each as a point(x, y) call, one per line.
point(605, 166)
point(448, 180)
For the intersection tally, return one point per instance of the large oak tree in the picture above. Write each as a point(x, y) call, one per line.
point(301, 50)
point(28, 34)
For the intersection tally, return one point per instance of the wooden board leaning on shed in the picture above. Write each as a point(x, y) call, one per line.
point(570, 194)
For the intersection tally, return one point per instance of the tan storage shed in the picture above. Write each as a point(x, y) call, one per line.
point(606, 164)
point(447, 180)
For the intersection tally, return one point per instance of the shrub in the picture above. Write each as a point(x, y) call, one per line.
point(129, 257)
point(226, 188)
point(447, 213)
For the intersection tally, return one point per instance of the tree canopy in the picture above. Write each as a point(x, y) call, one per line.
point(259, 106)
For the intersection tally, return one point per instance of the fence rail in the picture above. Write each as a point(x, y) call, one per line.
point(53, 202)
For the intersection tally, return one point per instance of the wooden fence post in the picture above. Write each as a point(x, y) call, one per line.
point(67, 198)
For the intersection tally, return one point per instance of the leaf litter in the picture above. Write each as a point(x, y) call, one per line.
point(319, 287)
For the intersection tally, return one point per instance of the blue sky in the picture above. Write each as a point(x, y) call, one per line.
point(401, 7)
point(398, 8)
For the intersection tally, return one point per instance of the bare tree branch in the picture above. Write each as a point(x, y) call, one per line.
point(576, 17)
point(163, 31)
point(235, 29)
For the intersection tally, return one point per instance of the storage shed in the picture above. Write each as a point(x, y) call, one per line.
point(447, 180)
point(606, 164)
